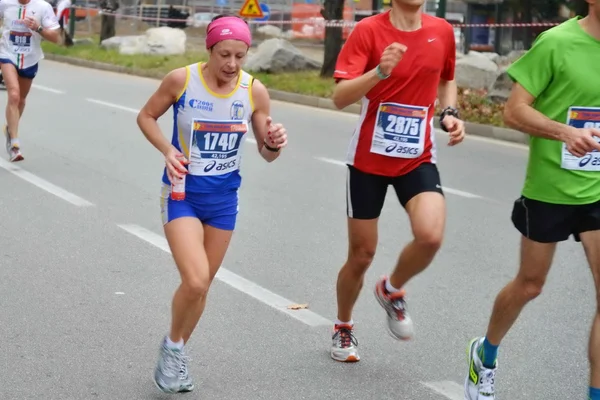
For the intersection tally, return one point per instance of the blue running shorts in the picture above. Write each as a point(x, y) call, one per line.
point(218, 210)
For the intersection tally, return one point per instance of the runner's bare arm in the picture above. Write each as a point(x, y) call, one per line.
point(348, 92)
point(261, 122)
point(447, 93)
point(520, 115)
point(161, 100)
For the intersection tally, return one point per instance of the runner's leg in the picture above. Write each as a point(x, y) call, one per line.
point(365, 195)
point(427, 214)
point(591, 245)
point(588, 232)
point(11, 80)
point(420, 192)
point(542, 226)
point(216, 243)
point(25, 86)
point(185, 236)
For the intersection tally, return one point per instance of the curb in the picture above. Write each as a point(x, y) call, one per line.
point(488, 131)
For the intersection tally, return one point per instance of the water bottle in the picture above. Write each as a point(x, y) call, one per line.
point(178, 188)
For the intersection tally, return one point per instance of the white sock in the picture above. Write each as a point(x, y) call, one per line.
point(175, 345)
point(338, 322)
point(389, 287)
point(14, 142)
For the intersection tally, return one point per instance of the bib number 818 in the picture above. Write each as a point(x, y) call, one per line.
point(403, 125)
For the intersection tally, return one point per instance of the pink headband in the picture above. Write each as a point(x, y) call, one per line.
point(227, 28)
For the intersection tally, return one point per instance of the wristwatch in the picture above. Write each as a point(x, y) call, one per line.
point(40, 29)
point(447, 111)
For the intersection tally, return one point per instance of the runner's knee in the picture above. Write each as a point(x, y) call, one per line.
point(14, 95)
point(361, 257)
point(429, 238)
point(529, 287)
point(195, 287)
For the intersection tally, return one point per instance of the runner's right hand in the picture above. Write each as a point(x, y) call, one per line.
point(175, 161)
point(582, 141)
point(390, 57)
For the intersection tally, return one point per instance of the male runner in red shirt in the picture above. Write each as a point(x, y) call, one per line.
point(398, 62)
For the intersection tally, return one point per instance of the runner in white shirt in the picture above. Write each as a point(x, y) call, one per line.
point(25, 23)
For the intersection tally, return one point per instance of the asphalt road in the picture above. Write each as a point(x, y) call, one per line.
point(86, 280)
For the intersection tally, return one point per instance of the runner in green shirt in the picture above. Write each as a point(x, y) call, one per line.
point(556, 100)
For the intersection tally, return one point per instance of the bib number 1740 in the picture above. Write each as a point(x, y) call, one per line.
point(225, 141)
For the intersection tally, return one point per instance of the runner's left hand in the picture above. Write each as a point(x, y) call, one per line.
point(31, 23)
point(277, 135)
point(456, 129)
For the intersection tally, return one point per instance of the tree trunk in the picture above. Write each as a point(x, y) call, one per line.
point(333, 10)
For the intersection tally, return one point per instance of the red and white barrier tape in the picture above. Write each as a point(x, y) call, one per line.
point(321, 22)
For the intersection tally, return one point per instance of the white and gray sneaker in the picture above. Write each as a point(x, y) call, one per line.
point(171, 373)
point(344, 346)
point(479, 384)
point(399, 324)
point(12, 147)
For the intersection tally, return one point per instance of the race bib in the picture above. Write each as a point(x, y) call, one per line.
point(21, 41)
point(399, 130)
point(215, 148)
point(582, 117)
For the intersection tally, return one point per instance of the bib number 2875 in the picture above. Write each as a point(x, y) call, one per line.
point(399, 130)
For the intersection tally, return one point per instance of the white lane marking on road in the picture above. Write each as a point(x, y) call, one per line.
point(119, 293)
point(331, 161)
point(237, 282)
point(113, 105)
point(448, 389)
point(44, 185)
point(47, 89)
point(445, 188)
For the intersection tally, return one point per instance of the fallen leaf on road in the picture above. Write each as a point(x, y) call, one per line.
point(297, 306)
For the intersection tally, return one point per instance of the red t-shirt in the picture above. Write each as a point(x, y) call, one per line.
point(395, 130)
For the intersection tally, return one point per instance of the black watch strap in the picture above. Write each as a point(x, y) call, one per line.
point(447, 111)
point(273, 149)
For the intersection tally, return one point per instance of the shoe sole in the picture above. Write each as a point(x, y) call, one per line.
point(349, 359)
point(170, 391)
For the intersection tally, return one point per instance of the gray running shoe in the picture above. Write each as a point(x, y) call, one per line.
point(171, 373)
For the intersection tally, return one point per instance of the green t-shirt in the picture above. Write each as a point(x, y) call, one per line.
point(561, 71)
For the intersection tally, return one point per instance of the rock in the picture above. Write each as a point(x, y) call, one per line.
point(165, 40)
point(161, 40)
point(475, 71)
point(500, 90)
point(279, 55)
point(269, 31)
point(514, 55)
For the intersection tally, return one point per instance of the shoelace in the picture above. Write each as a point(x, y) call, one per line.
point(399, 306)
point(345, 337)
point(183, 371)
point(486, 382)
point(174, 362)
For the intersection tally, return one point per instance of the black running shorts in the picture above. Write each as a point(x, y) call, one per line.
point(551, 223)
point(365, 193)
